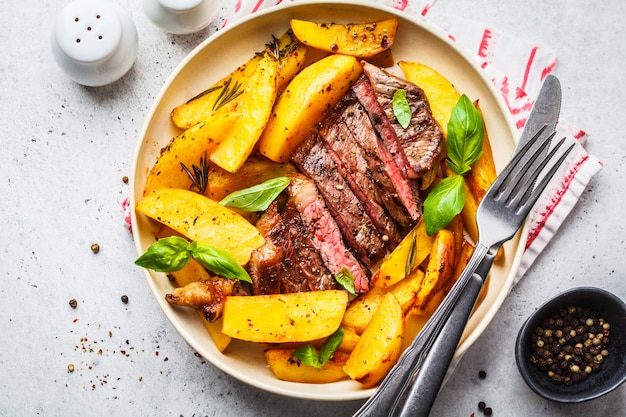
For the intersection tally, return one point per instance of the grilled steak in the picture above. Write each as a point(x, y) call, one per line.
point(357, 228)
point(353, 164)
point(287, 262)
point(395, 187)
point(421, 140)
point(324, 232)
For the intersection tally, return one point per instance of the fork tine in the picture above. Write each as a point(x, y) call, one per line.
point(532, 192)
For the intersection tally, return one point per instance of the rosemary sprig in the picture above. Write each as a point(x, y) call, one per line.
point(410, 259)
point(274, 47)
point(228, 94)
point(200, 175)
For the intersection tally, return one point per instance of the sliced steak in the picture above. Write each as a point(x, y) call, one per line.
point(421, 140)
point(324, 232)
point(353, 165)
point(357, 228)
point(288, 262)
point(401, 196)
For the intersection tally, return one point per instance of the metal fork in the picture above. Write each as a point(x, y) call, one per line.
point(412, 385)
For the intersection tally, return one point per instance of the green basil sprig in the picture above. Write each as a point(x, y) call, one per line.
point(258, 197)
point(466, 132)
point(401, 108)
point(309, 355)
point(174, 253)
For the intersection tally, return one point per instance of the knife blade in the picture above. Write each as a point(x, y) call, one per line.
point(545, 111)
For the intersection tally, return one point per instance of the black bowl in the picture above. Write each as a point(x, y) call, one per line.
point(612, 372)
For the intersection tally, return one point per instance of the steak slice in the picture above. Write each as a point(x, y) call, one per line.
point(288, 261)
point(401, 196)
point(422, 139)
point(356, 226)
point(353, 165)
point(324, 232)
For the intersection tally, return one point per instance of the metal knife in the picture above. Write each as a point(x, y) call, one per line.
point(545, 111)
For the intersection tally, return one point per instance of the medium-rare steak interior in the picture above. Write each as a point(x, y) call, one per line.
point(357, 193)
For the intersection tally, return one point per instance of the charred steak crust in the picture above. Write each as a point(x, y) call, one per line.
point(356, 226)
point(421, 140)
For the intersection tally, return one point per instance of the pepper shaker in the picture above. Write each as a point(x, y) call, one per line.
point(181, 17)
point(94, 42)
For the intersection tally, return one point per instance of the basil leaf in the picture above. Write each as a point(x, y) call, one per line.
point(166, 255)
point(330, 345)
point(401, 108)
point(258, 197)
point(466, 131)
point(444, 202)
point(345, 278)
point(308, 355)
point(219, 262)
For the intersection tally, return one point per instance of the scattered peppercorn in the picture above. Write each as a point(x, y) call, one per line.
point(488, 411)
point(124, 299)
point(125, 179)
point(70, 367)
point(481, 405)
point(73, 303)
point(95, 248)
point(570, 344)
point(482, 374)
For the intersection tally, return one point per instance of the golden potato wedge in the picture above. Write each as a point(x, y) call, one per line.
point(378, 348)
point(187, 148)
point(291, 56)
point(414, 322)
point(440, 267)
point(440, 92)
point(361, 310)
point(288, 368)
point(483, 172)
point(307, 98)
point(361, 40)
point(393, 268)
point(204, 105)
point(256, 106)
point(215, 331)
point(279, 318)
point(200, 218)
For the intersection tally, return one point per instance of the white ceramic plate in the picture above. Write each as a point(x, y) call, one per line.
point(417, 40)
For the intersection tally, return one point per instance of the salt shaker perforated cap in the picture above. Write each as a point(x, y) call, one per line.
point(94, 42)
point(181, 17)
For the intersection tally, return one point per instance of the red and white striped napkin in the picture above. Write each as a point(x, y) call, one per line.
point(517, 69)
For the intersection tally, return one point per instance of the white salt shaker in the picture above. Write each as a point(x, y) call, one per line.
point(181, 17)
point(94, 42)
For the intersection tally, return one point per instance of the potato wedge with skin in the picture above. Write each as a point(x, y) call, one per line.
point(286, 367)
point(393, 268)
point(187, 148)
point(280, 318)
point(256, 106)
point(378, 348)
point(292, 55)
point(307, 98)
point(440, 92)
point(361, 40)
point(215, 331)
point(440, 267)
point(200, 218)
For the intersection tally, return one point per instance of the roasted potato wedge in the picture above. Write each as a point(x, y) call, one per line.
point(215, 331)
point(306, 99)
point(288, 368)
point(291, 55)
point(379, 346)
point(361, 40)
point(255, 106)
point(280, 318)
point(440, 268)
point(200, 218)
point(187, 148)
point(416, 244)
